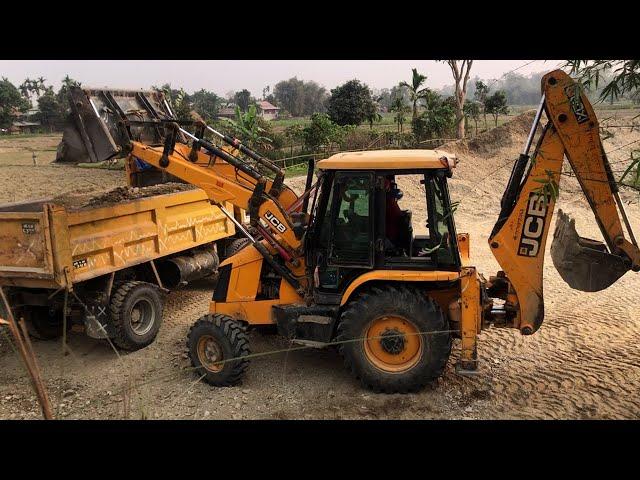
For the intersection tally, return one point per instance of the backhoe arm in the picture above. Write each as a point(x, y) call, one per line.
point(577, 126)
point(519, 236)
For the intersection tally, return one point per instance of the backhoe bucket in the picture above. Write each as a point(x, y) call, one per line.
point(583, 263)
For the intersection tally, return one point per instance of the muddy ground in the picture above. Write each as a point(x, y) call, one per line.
point(583, 363)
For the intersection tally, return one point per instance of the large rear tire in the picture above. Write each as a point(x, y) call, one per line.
point(217, 344)
point(387, 339)
point(136, 314)
point(44, 323)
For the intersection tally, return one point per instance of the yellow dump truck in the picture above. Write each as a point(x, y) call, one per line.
point(107, 266)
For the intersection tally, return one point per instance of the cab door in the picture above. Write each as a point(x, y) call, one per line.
point(345, 245)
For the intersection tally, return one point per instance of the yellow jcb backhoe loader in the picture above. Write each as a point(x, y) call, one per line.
point(349, 271)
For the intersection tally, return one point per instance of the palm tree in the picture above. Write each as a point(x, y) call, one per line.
point(415, 90)
point(398, 106)
point(25, 88)
point(40, 85)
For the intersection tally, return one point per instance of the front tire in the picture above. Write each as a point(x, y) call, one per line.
point(136, 314)
point(217, 344)
point(386, 339)
point(235, 246)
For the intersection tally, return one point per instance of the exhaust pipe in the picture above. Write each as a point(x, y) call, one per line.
point(179, 271)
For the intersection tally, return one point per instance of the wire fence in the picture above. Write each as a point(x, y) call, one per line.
point(131, 385)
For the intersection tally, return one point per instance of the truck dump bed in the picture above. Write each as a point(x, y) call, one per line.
point(47, 245)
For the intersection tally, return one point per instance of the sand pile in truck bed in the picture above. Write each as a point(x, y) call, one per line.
point(80, 200)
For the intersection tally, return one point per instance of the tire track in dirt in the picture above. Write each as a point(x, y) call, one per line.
point(582, 363)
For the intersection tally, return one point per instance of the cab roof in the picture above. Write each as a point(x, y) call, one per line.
point(389, 160)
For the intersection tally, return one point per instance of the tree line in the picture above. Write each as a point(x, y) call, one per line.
point(52, 105)
point(431, 113)
point(334, 115)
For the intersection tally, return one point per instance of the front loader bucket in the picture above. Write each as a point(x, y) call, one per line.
point(102, 122)
point(86, 138)
point(583, 263)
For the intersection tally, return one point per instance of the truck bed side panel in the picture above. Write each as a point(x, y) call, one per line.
point(111, 238)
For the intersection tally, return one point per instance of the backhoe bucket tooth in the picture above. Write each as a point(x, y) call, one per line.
point(583, 263)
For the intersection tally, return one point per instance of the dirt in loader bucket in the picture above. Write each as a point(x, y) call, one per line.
point(583, 263)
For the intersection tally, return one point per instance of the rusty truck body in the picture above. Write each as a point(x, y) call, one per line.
point(59, 263)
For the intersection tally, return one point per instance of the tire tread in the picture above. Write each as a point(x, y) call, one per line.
point(122, 291)
point(238, 339)
point(361, 306)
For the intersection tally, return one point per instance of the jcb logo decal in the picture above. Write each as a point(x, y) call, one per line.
point(533, 226)
point(576, 103)
point(271, 218)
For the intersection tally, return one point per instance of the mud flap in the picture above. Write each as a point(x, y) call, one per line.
point(583, 263)
point(95, 328)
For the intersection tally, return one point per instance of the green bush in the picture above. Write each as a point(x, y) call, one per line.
point(437, 122)
point(358, 139)
point(321, 132)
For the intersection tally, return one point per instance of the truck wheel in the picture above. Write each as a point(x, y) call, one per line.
point(136, 314)
point(387, 344)
point(235, 246)
point(217, 344)
point(45, 324)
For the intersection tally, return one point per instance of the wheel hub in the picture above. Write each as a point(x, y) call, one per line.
point(142, 316)
point(210, 353)
point(392, 341)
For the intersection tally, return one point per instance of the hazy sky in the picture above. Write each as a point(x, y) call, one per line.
point(222, 76)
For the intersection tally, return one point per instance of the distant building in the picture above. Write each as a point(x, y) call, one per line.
point(24, 127)
point(227, 112)
point(267, 111)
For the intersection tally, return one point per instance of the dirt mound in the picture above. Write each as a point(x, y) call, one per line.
point(80, 200)
point(493, 140)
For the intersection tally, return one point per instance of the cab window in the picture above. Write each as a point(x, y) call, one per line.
point(351, 220)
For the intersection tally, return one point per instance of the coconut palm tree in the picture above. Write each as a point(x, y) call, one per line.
point(416, 92)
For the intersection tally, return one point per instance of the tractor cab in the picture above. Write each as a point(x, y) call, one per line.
point(362, 220)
